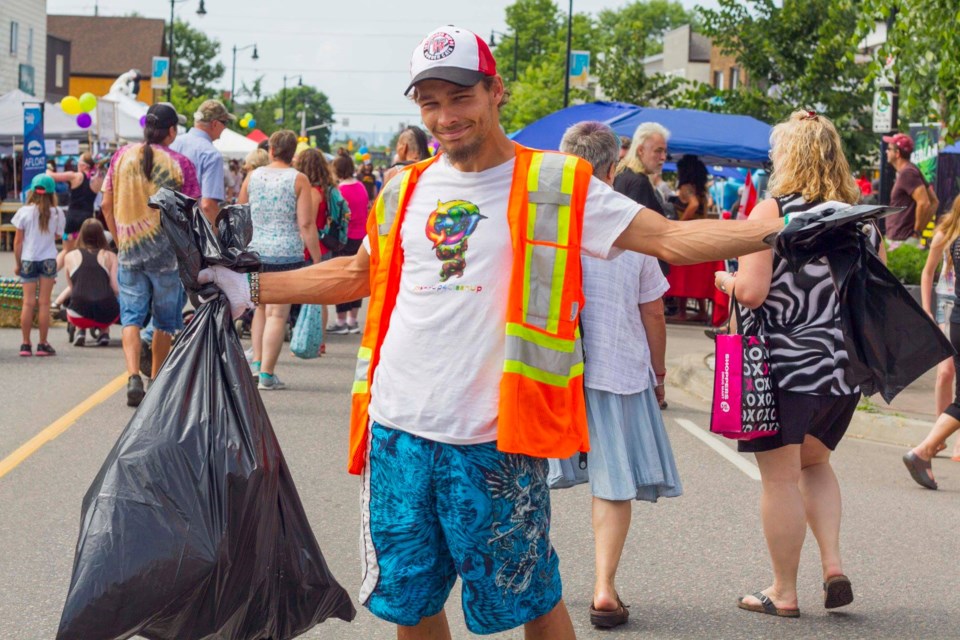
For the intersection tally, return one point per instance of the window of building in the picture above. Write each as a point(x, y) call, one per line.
point(718, 80)
point(14, 37)
point(58, 78)
point(734, 77)
point(30, 45)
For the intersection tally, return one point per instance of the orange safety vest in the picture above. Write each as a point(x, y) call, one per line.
point(542, 411)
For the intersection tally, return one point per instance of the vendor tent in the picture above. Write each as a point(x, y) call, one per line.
point(56, 124)
point(233, 145)
point(717, 138)
point(257, 136)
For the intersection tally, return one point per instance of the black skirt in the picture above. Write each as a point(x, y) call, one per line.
point(826, 418)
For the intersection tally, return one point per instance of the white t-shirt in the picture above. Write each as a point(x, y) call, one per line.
point(614, 340)
point(39, 244)
point(442, 358)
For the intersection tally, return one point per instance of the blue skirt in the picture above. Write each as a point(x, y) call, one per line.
point(630, 456)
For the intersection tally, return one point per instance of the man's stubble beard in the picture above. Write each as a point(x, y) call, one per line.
point(464, 152)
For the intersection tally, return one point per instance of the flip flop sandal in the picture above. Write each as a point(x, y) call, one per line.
point(837, 592)
point(918, 468)
point(610, 619)
point(766, 606)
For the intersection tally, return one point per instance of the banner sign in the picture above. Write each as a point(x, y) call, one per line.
point(926, 140)
point(107, 121)
point(579, 69)
point(34, 150)
point(160, 76)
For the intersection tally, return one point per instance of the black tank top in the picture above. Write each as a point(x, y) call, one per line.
point(92, 296)
point(83, 197)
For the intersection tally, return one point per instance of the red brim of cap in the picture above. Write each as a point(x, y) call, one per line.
point(456, 75)
point(888, 138)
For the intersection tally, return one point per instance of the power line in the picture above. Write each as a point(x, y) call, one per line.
point(315, 70)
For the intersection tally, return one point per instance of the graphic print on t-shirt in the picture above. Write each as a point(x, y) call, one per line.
point(449, 227)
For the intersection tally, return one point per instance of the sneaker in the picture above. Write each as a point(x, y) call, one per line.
point(255, 369)
point(248, 354)
point(270, 382)
point(80, 339)
point(146, 359)
point(26, 350)
point(135, 391)
point(103, 340)
point(44, 349)
point(338, 329)
point(353, 328)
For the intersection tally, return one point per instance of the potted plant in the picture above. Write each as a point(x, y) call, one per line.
point(906, 264)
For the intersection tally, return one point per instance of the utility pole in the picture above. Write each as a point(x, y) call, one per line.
point(888, 174)
point(566, 75)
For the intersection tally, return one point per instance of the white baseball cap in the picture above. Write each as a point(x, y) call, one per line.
point(452, 54)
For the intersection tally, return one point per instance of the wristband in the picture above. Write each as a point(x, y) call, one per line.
point(254, 279)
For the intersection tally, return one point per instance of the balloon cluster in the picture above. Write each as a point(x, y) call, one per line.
point(248, 121)
point(362, 155)
point(81, 107)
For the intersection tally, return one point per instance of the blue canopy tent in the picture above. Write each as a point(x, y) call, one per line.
point(718, 139)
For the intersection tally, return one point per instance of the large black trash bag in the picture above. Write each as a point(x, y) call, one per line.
point(890, 340)
point(193, 528)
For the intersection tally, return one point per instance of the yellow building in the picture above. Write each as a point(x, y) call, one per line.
point(102, 48)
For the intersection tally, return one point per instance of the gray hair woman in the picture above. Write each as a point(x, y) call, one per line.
point(623, 386)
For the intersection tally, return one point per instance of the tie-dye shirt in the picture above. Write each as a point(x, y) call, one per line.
point(141, 242)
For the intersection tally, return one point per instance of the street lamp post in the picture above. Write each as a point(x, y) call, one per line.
point(566, 76)
point(201, 11)
point(283, 99)
point(233, 79)
point(516, 46)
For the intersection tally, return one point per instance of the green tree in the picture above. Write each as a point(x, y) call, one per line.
point(542, 30)
point(627, 36)
point(925, 46)
point(797, 54)
point(194, 61)
point(267, 109)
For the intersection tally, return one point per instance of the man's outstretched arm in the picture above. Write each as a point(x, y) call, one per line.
point(695, 241)
point(331, 282)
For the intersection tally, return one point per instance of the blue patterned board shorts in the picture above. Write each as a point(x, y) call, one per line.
point(432, 511)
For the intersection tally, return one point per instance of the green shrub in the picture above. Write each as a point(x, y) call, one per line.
point(906, 263)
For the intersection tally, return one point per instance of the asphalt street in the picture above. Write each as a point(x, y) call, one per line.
point(686, 561)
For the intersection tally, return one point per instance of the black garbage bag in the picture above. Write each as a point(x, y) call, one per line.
point(193, 528)
point(890, 340)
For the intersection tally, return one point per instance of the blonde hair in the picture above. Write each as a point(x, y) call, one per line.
point(643, 132)
point(45, 203)
point(256, 159)
point(808, 159)
point(949, 226)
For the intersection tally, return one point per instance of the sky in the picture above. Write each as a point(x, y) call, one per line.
point(356, 52)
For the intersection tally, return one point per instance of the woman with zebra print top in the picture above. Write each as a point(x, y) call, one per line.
point(799, 314)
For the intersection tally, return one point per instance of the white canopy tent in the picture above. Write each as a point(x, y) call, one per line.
point(56, 124)
point(233, 145)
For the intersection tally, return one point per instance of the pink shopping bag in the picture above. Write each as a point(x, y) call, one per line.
point(744, 393)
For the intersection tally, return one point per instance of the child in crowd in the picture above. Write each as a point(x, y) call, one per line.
point(39, 223)
point(92, 274)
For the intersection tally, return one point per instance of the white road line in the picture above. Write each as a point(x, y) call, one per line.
point(711, 441)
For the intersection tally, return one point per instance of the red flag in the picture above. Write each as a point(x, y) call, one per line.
point(749, 198)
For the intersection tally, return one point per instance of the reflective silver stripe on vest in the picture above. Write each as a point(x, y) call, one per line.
point(542, 261)
point(548, 199)
point(552, 361)
point(391, 203)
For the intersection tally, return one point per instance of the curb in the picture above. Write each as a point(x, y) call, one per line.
point(694, 374)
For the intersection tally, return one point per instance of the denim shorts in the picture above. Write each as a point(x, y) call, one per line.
point(432, 512)
point(157, 292)
point(945, 304)
point(33, 270)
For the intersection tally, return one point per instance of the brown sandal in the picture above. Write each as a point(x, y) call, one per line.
point(610, 619)
point(766, 606)
point(837, 592)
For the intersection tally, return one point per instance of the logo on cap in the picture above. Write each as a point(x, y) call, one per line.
point(438, 46)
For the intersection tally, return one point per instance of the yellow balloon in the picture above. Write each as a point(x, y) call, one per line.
point(88, 102)
point(70, 106)
point(244, 123)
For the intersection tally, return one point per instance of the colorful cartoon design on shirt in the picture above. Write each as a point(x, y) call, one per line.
point(448, 228)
